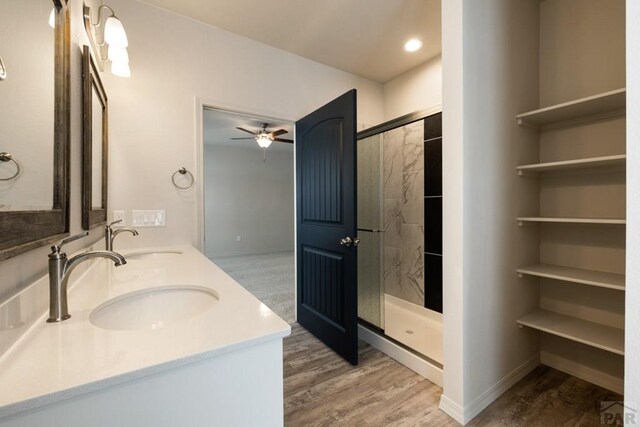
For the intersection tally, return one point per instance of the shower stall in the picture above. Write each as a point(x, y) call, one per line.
point(400, 230)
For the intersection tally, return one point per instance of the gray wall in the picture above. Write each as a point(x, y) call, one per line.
point(248, 197)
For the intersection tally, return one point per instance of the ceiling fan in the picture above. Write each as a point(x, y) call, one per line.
point(265, 138)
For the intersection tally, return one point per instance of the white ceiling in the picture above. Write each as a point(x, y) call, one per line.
point(363, 37)
point(220, 127)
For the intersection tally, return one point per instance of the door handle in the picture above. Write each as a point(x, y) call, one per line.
point(348, 241)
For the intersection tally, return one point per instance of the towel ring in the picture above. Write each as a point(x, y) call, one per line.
point(6, 157)
point(182, 171)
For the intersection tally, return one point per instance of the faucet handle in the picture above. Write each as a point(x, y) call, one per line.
point(117, 221)
point(56, 248)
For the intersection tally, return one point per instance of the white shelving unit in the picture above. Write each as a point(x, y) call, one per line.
point(569, 166)
point(592, 334)
point(575, 327)
point(596, 107)
point(559, 220)
point(575, 275)
point(617, 160)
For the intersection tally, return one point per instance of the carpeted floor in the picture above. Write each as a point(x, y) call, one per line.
point(269, 277)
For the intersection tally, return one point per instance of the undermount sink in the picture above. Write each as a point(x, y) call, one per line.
point(151, 254)
point(153, 308)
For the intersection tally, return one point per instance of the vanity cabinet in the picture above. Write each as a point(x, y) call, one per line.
point(213, 364)
point(242, 387)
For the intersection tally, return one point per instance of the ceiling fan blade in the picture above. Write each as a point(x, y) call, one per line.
point(290, 141)
point(279, 132)
point(242, 138)
point(244, 130)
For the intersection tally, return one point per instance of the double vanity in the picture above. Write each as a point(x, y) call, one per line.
point(166, 339)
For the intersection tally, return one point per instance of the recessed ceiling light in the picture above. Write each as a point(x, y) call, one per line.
point(413, 45)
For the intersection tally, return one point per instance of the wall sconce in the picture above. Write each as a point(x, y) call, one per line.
point(52, 18)
point(3, 70)
point(108, 40)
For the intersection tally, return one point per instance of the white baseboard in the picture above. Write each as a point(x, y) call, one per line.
point(452, 409)
point(420, 366)
point(465, 414)
point(587, 373)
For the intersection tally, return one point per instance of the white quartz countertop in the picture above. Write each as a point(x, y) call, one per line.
point(52, 362)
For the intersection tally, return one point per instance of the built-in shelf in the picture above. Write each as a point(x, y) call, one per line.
point(608, 104)
point(617, 160)
point(575, 275)
point(593, 334)
point(594, 221)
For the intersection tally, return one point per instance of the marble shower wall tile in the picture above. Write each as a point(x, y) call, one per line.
point(392, 152)
point(392, 274)
point(412, 263)
point(413, 147)
point(393, 222)
point(403, 192)
point(413, 197)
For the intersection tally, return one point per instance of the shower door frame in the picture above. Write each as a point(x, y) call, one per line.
point(379, 130)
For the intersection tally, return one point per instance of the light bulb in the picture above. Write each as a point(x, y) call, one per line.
point(120, 69)
point(118, 54)
point(114, 33)
point(52, 18)
point(413, 45)
point(264, 141)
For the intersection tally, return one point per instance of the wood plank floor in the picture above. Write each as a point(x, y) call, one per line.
point(321, 389)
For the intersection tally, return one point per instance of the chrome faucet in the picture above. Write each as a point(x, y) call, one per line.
point(60, 267)
point(111, 233)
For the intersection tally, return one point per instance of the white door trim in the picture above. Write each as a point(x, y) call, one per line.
point(215, 104)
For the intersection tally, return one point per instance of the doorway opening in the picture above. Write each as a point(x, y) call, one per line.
point(248, 225)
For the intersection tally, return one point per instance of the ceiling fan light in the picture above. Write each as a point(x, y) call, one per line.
point(264, 140)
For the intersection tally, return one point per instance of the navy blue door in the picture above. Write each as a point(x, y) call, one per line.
point(326, 220)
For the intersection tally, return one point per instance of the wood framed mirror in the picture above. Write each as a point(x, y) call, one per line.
point(34, 124)
point(95, 144)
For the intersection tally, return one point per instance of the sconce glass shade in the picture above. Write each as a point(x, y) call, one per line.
point(118, 54)
point(263, 140)
point(52, 18)
point(114, 33)
point(120, 69)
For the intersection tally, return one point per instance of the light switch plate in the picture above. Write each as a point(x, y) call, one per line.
point(148, 218)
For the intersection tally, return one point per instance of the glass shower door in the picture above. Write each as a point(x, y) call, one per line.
point(370, 279)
